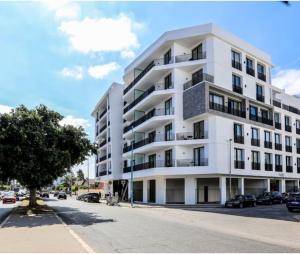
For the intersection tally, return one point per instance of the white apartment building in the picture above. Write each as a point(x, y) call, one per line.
point(108, 136)
point(202, 121)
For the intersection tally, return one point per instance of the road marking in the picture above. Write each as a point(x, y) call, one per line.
point(6, 219)
point(82, 243)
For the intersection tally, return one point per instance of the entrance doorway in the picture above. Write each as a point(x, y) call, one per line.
point(151, 191)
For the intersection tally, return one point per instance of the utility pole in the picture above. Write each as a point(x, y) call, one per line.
point(88, 173)
point(131, 171)
point(230, 142)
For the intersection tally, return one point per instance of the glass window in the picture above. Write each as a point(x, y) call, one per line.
point(197, 77)
point(267, 136)
point(236, 56)
point(249, 63)
point(288, 161)
point(168, 81)
point(167, 57)
point(297, 124)
point(199, 130)
point(260, 68)
point(197, 52)
point(168, 158)
point(277, 159)
point(259, 90)
point(238, 154)
point(236, 80)
point(287, 120)
point(168, 107)
point(199, 156)
point(288, 141)
point(298, 143)
point(277, 138)
point(255, 133)
point(217, 99)
point(253, 110)
point(168, 132)
point(255, 157)
point(268, 158)
point(238, 130)
point(152, 160)
point(277, 117)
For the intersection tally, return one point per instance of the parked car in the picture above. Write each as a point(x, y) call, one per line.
point(91, 197)
point(56, 193)
point(62, 195)
point(81, 197)
point(276, 197)
point(9, 197)
point(269, 198)
point(241, 201)
point(293, 202)
point(45, 194)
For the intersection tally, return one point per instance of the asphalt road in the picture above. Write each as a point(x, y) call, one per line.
point(120, 229)
point(4, 210)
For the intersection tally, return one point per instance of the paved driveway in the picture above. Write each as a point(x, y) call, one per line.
point(119, 229)
point(5, 209)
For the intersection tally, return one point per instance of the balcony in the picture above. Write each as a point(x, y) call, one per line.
point(250, 71)
point(268, 144)
point(289, 169)
point(192, 163)
point(237, 89)
point(260, 97)
point(236, 65)
point(288, 149)
point(268, 167)
point(158, 62)
point(298, 131)
point(146, 117)
point(260, 119)
point(278, 146)
point(201, 78)
point(288, 128)
point(255, 142)
point(102, 158)
point(261, 76)
point(191, 135)
point(156, 87)
point(278, 168)
point(278, 125)
point(239, 164)
point(102, 143)
point(255, 166)
point(277, 103)
point(225, 109)
point(103, 113)
point(146, 141)
point(239, 139)
point(102, 128)
point(150, 164)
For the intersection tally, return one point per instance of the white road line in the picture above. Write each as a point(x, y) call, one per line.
point(82, 243)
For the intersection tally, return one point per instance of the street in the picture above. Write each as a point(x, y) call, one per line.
point(5, 209)
point(122, 229)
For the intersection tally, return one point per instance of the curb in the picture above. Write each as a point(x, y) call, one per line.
point(5, 217)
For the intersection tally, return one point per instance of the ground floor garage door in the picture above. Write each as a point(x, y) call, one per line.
point(175, 191)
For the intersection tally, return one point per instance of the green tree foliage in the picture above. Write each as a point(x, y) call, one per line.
point(80, 175)
point(35, 149)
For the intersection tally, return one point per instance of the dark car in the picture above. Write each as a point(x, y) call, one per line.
point(293, 202)
point(241, 201)
point(91, 197)
point(45, 195)
point(62, 195)
point(269, 198)
point(276, 197)
point(81, 197)
point(55, 193)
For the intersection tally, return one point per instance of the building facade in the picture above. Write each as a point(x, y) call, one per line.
point(202, 121)
point(108, 136)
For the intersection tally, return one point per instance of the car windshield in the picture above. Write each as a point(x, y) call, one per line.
point(238, 197)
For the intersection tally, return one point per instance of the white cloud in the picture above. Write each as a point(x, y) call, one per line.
point(71, 120)
point(102, 34)
point(76, 72)
point(100, 71)
point(5, 109)
point(127, 54)
point(289, 80)
point(68, 12)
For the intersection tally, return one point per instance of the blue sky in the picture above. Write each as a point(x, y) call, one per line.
point(66, 54)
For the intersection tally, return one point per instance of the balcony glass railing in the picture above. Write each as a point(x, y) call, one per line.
point(237, 89)
point(255, 142)
point(225, 109)
point(278, 146)
point(239, 164)
point(261, 76)
point(191, 135)
point(268, 167)
point(189, 57)
point(236, 65)
point(250, 71)
point(102, 158)
point(260, 119)
point(156, 87)
point(149, 165)
point(192, 163)
point(239, 139)
point(278, 168)
point(151, 114)
point(268, 144)
point(201, 78)
point(157, 138)
point(102, 143)
point(255, 166)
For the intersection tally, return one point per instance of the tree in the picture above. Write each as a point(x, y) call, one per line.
point(80, 176)
point(35, 149)
point(68, 179)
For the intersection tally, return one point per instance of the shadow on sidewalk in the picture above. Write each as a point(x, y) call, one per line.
point(45, 216)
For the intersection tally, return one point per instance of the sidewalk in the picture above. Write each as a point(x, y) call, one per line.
point(41, 232)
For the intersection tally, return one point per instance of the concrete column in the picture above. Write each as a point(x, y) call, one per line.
point(190, 190)
point(129, 189)
point(241, 185)
point(160, 190)
point(222, 186)
point(282, 188)
point(268, 184)
point(145, 191)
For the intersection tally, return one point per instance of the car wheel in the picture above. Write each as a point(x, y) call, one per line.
point(241, 205)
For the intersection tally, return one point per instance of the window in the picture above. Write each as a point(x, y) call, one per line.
point(152, 160)
point(151, 136)
point(239, 158)
point(238, 133)
point(199, 159)
point(235, 108)
point(287, 121)
point(298, 145)
point(288, 163)
point(268, 142)
point(197, 77)
point(250, 67)
point(168, 81)
point(237, 84)
point(197, 52)
point(277, 120)
point(268, 162)
point(278, 164)
point(298, 126)
point(168, 158)
point(277, 138)
point(298, 165)
point(264, 114)
point(255, 160)
point(216, 102)
point(260, 93)
point(261, 72)
point(167, 57)
point(168, 132)
point(168, 107)
point(288, 144)
point(199, 130)
point(253, 113)
point(255, 137)
point(236, 60)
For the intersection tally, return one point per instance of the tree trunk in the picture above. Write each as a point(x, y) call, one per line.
point(32, 197)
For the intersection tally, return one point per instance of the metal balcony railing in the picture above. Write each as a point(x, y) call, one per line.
point(255, 166)
point(236, 65)
point(278, 168)
point(278, 125)
point(102, 158)
point(260, 119)
point(289, 169)
point(191, 135)
point(250, 71)
point(237, 89)
point(201, 78)
point(102, 143)
point(277, 103)
point(152, 113)
point(255, 142)
point(278, 146)
point(288, 128)
point(102, 173)
point(268, 144)
point(239, 164)
point(261, 76)
point(239, 139)
point(288, 149)
point(260, 97)
point(192, 162)
point(150, 164)
point(225, 109)
point(268, 167)
point(102, 128)
point(189, 57)
point(103, 113)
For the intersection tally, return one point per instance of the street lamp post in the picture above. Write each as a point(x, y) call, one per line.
point(131, 171)
point(88, 173)
point(230, 166)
